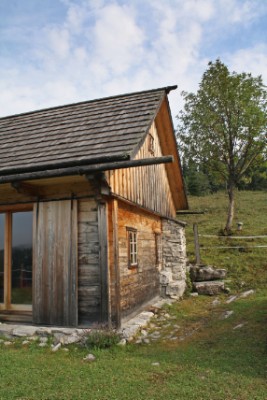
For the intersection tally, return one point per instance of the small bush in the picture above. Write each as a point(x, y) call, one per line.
point(102, 339)
point(189, 285)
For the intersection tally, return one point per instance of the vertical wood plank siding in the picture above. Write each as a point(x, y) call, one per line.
point(137, 285)
point(147, 186)
point(55, 263)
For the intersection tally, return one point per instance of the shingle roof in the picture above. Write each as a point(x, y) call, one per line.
point(105, 127)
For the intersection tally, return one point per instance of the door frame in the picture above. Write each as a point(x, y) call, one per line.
point(8, 211)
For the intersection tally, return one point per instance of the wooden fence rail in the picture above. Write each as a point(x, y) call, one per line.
point(198, 246)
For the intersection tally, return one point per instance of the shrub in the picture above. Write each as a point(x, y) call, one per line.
point(102, 339)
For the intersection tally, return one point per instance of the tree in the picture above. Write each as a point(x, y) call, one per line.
point(223, 126)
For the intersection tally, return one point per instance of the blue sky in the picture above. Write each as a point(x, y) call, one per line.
point(55, 52)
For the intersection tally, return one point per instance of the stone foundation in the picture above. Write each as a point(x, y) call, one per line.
point(173, 273)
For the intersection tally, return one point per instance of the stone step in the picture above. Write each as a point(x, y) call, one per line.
point(206, 273)
point(210, 288)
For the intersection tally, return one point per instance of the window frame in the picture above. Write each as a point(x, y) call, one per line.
point(132, 246)
point(8, 213)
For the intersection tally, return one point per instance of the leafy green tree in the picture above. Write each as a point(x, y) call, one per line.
point(256, 176)
point(223, 126)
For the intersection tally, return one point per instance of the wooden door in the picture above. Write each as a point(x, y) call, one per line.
point(55, 263)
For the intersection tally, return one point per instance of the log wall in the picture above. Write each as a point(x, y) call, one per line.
point(139, 284)
point(89, 292)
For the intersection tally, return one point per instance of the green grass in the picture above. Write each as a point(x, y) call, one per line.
point(248, 266)
point(206, 358)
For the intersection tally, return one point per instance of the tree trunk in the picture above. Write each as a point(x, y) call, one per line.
point(231, 208)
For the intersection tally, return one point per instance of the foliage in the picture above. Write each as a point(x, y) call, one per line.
point(102, 338)
point(256, 177)
point(223, 126)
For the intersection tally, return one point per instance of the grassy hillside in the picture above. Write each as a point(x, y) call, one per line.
point(247, 265)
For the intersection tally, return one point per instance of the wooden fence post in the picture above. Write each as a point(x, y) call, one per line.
point(196, 241)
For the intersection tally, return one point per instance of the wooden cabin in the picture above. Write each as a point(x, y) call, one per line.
point(88, 201)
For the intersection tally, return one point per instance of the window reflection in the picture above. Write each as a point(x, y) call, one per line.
point(21, 292)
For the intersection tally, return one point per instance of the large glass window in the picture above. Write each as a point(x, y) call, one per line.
point(15, 260)
point(21, 292)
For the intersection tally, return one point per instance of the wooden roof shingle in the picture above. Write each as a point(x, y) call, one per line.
point(107, 127)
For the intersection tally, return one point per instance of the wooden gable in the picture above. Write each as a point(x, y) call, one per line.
point(158, 187)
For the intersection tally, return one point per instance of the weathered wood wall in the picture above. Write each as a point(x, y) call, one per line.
point(55, 263)
point(136, 285)
point(147, 186)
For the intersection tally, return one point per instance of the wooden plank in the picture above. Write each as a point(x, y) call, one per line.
point(103, 260)
point(116, 262)
point(55, 264)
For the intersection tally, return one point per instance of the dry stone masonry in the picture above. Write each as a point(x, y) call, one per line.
point(173, 273)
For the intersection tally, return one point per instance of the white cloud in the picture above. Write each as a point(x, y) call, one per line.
point(117, 38)
point(240, 11)
point(253, 60)
point(101, 47)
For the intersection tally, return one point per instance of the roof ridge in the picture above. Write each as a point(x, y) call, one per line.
point(167, 89)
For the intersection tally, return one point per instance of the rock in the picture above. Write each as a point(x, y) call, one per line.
point(155, 364)
point(165, 277)
point(71, 339)
point(238, 326)
point(24, 331)
point(247, 293)
point(194, 294)
point(89, 358)
point(6, 330)
point(207, 273)
point(227, 314)
point(7, 343)
point(211, 288)
point(56, 347)
point(216, 302)
point(144, 332)
point(231, 299)
point(25, 342)
point(155, 335)
point(33, 338)
point(122, 342)
point(44, 345)
point(146, 341)
point(43, 339)
point(176, 289)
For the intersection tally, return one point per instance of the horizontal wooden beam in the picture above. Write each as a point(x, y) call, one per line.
point(25, 188)
point(108, 166)
point(62, 164)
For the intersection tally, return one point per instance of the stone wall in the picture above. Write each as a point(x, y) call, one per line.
point(173, 273)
